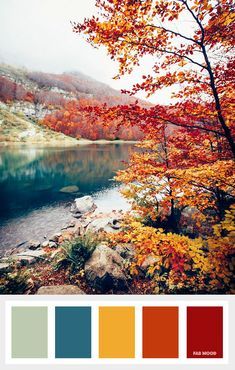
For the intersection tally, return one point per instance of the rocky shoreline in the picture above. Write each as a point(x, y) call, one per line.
point(104, 270)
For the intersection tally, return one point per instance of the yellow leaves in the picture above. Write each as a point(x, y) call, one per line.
point(227, 226)
point(229, 19)
point(96, 40)
point(178, 261)
point(182, 63)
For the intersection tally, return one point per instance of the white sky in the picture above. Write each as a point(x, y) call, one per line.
point(37, 34)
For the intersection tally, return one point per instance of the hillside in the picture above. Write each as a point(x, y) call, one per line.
point(15, 128)
point(39, 88)
point(57, 100)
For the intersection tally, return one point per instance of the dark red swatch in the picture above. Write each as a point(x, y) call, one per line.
point(205, 332)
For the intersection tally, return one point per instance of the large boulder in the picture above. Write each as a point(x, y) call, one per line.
point(59, 290)
point(83, 205)
point(105, 270)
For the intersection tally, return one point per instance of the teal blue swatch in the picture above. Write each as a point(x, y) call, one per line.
point(73, 332)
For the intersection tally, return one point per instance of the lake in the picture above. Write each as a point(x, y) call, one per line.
point(31, 203)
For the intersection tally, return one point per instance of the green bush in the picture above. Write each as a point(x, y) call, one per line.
point(75, 253)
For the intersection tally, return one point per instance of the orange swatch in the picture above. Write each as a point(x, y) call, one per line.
point(160, 332)
point(116, 332)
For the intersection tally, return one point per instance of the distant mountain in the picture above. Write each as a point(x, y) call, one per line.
point(34, 95)
point(50, 88)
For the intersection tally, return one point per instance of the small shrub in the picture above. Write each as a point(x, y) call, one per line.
point(15, 282)
point(75, 253)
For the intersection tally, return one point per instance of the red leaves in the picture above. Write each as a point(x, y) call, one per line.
point(86, 118)
point(10, 91)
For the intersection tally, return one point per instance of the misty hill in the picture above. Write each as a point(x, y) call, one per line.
point(46, 98)
point(18, 84)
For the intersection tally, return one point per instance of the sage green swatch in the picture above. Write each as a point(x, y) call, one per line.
point(29, 332)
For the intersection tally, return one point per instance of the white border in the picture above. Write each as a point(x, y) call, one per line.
point(138, 332)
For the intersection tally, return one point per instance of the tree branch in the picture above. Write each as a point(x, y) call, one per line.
point(173, 32)
point(190, 127)
point(196, 19)
point(164, 51)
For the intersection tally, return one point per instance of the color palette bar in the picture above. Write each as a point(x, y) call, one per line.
point(103, 332)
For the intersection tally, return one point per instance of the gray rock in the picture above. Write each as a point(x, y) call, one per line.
point(69, 189)
point(105, 269)
point(59, 290)
point(109, 223)
point(34, 244)
point(83, 205)
point(24, 260)
point(29, 256)
point(55, 237)
point(126, 251)
point(45, 244)
point(37, 253)
point(52, 245)
point(68, 226)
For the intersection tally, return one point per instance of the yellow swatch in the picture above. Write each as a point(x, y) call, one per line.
point(116, 332)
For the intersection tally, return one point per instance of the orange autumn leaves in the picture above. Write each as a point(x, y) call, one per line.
point(193, 59)
point(180, 264)
point(185, 163)
point(77, 119)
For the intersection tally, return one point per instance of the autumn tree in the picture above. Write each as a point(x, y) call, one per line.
point(82, 118)
point(191, 44)
point(186, 160)
point(10, 91)
point(197, 60)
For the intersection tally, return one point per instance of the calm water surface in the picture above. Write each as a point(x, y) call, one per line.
point(31, 204)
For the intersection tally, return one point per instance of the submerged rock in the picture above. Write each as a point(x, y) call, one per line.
point(105, 269)
point(69, 189)
point(83, 205)
point(59, 290)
